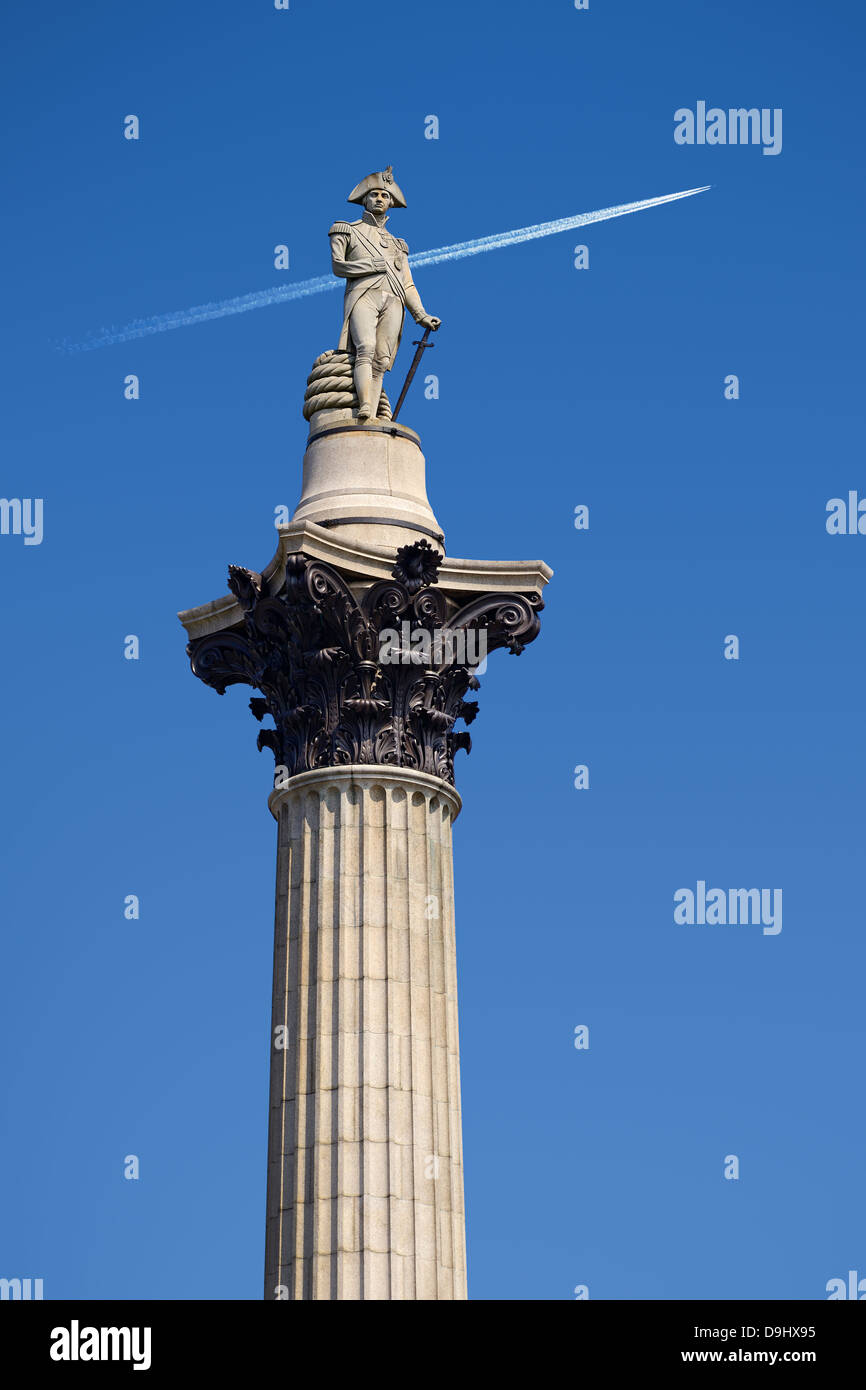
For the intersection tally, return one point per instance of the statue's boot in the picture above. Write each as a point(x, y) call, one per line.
point(364, 389)
point(375, 393)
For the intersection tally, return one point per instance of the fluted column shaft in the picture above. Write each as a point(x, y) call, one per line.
point(365, 1167)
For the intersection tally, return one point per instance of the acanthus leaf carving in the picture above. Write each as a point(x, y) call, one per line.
point(335, 693)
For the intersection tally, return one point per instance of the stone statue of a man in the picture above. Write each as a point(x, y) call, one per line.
point(375, 266)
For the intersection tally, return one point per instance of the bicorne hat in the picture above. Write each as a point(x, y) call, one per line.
point(383, 179)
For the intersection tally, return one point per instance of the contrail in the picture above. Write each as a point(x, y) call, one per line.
point(281, 294)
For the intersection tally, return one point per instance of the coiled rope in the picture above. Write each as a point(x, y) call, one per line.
point(331, 386)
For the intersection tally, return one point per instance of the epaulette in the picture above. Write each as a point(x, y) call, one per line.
point(404, 245)
point(340, 227)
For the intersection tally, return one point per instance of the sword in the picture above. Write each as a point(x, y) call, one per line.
point(420, 344)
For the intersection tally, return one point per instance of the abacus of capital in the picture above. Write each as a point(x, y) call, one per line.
point(363, 638)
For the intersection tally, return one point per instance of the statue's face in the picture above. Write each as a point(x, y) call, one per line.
point(377, 200)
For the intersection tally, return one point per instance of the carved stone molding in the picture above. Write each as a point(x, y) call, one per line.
point(339, 675)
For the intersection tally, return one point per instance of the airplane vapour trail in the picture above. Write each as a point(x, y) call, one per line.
point(281, 294)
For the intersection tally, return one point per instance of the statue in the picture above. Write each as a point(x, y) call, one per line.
point(375, 266)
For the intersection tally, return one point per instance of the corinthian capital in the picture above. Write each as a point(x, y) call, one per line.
point(377, 676)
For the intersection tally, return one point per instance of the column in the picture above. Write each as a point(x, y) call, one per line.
point(365, 1172)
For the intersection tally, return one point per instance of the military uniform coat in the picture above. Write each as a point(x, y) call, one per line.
point(354, 247)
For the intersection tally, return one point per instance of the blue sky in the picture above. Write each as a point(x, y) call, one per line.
point(557, 387)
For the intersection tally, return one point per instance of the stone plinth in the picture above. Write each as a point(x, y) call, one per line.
point(366, 480)
point(365, 1175)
